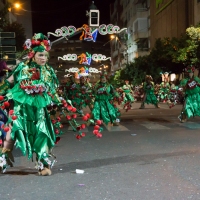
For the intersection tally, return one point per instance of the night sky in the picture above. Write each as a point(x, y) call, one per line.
point(48, 15)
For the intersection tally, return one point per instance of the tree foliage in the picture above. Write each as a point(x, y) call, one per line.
point(4, 16)
point(189, 54)
point(168, 55)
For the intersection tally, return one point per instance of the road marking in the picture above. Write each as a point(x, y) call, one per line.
point(154, 126)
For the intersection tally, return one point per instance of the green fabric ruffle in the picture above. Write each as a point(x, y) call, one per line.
point(32, 130)
point(192, 105)
point(38, 100)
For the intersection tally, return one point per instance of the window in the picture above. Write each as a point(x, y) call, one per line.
point(143, 44)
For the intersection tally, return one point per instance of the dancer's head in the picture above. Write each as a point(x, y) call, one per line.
point(127, 81)
point(148, 78)
point(103, 77)
point(37, 48)
point(190, 70)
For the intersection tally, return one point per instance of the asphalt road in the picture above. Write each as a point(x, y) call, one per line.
point(150, 156)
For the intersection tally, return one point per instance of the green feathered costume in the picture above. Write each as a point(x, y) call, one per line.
point(103, 108)
point(33, 130)
point(149, 93)
point(192, 96)
point(128, 96)
point(34, 89)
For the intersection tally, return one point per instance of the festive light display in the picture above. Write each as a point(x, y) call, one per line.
point(83, 71)
point(63, 31)
point(100, 57)
point(85, 59)
point(88, 33)
point(69, 57)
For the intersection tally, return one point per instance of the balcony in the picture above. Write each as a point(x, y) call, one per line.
point(137, 35)
point(143, 53)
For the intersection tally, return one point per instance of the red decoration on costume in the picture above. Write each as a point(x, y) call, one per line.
point(58, 119)
point(83, 126)
point(83, 134)
point(85, 118)
point(6, 129)
point(74, 116)
point(6, 104)
point(88, 115)
point(68, 117)
point(73, 109)
point(96, 127)
point(11, 112)
point(95, 132)
point(69, 108)
point(36, 75)
point(78, 137)
point(14, 117)
point(98, 122)
point(99, 135)
point(57, 140)
point(65, 105)
point(64, 102)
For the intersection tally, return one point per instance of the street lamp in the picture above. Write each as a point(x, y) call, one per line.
point(111, 38)
point(17, 5)
point(104, 66)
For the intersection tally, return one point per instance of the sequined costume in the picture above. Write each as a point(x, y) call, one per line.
point(191, 107)
point(164, 91)
point(34, 89)
point(103, 109)
point(149, 96)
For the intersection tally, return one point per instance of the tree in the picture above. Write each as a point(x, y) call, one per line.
point(19, 33)
point(189, 54)
point(3, 16)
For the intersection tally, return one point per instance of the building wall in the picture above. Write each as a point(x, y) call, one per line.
point(196, 12)
point(77, 47)
point(22, 15)
point(115, 16)
point(25, 18)
point(172, 21)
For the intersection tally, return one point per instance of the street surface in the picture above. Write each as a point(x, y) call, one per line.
point(150, 156)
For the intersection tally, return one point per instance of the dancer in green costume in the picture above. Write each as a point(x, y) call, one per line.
point(35, 85)
point(164, 88)
point(149, 96)
point(128, 95)
point(103, 109)
point(86, 92)
point(191, 87)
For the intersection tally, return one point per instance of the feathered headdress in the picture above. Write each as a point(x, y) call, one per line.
point(104, 74)
point(148, 77)
point(38, 43)
point(190, 69)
